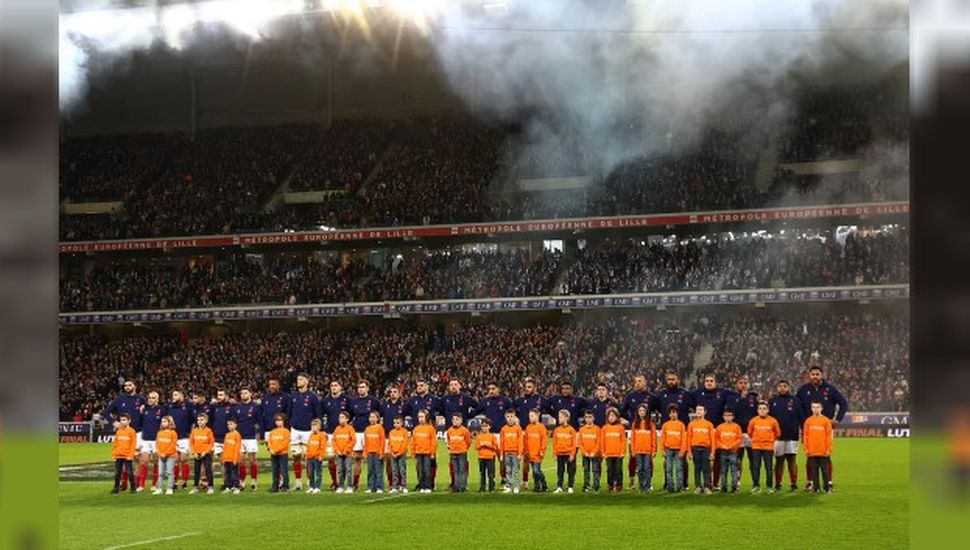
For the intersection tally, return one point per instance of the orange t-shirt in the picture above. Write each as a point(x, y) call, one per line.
point(165, 443)
point(536, 437)
point(397, 441)
point(459, 439)
point(643, 440)
point(700, 433)
point(590, 440)
point(727, 436)
point(673, 435)
point(124, 443)
point(763, 432)
point(279, 441)
point(201, 441)
point(511, 439)
point(344, 438)
point(817, 436)
point(614, 440)
point(487, 445)
point(374, 440)
point(231, 445)
point(424, 439)
point(564, 441)
point(315, 445)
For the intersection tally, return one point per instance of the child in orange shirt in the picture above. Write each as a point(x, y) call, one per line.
point(397, 447)
point(231, 447)
point(764, 430)
point(535, 439)
point(123, 451)
point(315, 445)
point(424, 442)
point(511, 446)
point(166, 446)
point(727, 441)
point(643, 445)
point(201, 442)
point(343, 439)
point(458, 439)
point(614, 447)
point(700, 440)
point(374, 442)
point(487, 445)
point(278, 442)
point(817, 439)
point(673, 439)
point(564, 447)
point(590, 442)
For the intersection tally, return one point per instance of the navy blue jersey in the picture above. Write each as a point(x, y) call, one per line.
point(247, 419)
point(745, 408)
point(599, 410)
point(787, 410)
point(390, 409)
point(151, 420)
point(525, 404)
point(304, 407)
point(183, 415)
point(330, 407)
point(827, 395)
point(460, 403)
point(429, 402)
point(130, 404)
point(360, 408)
point(494, 410)
point(575, 405)
point(205, 409)
point(633, 400)
point(677, 396)
point(220, 414)
point(273, 403)
point(713, 402)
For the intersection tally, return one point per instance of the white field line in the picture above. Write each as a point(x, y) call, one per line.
point(389, 497)
point(150, 541)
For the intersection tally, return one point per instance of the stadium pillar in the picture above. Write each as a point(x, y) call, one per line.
point(193, 103)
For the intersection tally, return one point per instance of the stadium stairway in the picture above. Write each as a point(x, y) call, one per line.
point(376, 170)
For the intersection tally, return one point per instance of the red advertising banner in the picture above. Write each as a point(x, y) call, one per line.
point(521, 227)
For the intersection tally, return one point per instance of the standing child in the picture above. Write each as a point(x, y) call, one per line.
point(374, 442)
point(536, 436)
point(424, 442)
point(727, 441)
point(201, 442)
point(614, 447)
point(397, 448)
point(817, 435)
point(165, 445)
point(590, 442)
point(764, 430)
point(278, 441)
point(643, 445)
point(511, 446)
point(231, 447)
point(700, 440)
point(343, 439)
point(564, 447)
point(486, 444)
point(673, 437)
point(315, 445)
point(459, 439)
point(123, 451)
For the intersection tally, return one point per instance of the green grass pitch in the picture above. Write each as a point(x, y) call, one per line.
point(870, 510)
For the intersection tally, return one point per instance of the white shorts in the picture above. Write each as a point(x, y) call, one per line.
point(359, 442)
point(298, 440)
point(745, 441)
point(217, 449)
point(783, 448)
point(138, 440)
point(249, 446)
point(146, 447)
point(182, 446)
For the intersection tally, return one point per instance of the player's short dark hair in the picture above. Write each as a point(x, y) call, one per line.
point(303, 374)
point(492, 383)
point(814, 402)
point(672, 407)
point(458, 414)
point(245, 388)
point(815, 367)
point(124, 415)
point(566, 383)
point(528, 379)
point(783, 381)
point(316, 421)
point(398, 417)
point(601, 385)
point(485, 422)
point(727, 411)
point(364, 382)
point(588, 411)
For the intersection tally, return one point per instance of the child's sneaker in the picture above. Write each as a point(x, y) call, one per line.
point(698, 490)
point(393, 490)
point(169, 492)
point(707, 491)
point(194, 489)
point(558, 490)
point(156, 491)
point(404, 490)
point(771, 490)
point(235, 491)
point(515, 491)
point(570, 491)
point(252, 486)
point(140, 489)
point(379, 491)
point(507, 489)
point(348, 490)
point(339, 490)
point(209, 491)
point(226, 490)
point(298, 485)
point(755, 489)
point(114, 491)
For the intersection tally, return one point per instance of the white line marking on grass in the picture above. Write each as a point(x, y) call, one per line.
point(389, 497)
point(150, 541)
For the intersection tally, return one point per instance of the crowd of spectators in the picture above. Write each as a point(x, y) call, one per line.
point(864, 354)
point(342, 156)
point(112, 168)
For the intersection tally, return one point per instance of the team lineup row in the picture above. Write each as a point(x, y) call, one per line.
point(303, 410)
